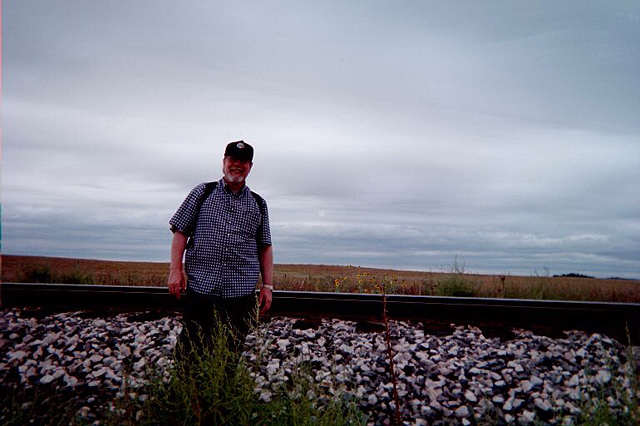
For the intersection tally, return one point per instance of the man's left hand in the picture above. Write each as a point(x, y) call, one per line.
point(264, 300)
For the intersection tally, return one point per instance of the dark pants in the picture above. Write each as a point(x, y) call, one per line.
point(205, 317)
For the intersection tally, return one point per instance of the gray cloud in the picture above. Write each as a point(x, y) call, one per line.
point(397, 136)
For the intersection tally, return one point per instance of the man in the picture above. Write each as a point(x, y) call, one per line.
point(224, 228)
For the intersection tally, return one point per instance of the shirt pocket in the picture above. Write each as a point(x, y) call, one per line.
point(249, 222)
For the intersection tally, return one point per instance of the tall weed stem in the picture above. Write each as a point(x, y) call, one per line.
point(394, 379)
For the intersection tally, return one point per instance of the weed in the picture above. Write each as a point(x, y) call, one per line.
point(39, 274)
point(394, 379)
point(455, 286)
point(603, 408)
point(215, 387)
point(542, 284)
point(458, 267)
point(75, 277)
point(37, 405)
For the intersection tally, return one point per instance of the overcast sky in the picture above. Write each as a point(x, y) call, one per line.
point(387, 133)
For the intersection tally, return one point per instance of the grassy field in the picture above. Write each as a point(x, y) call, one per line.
point(335, 278)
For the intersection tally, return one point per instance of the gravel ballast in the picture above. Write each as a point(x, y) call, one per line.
point(460, 378)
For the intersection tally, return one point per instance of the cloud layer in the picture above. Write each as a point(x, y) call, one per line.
point(386, 135)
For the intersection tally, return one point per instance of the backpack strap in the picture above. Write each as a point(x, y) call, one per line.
point(259, 200)
point(208, 189)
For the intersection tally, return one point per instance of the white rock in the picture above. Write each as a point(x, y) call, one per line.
point(470, 396)
point(542, 405)
point(462, 412)
point(273, 366)
point(58, 373)
point(99, 372)
point(95, 358)
point(125, 350)
point(536, 381)
point(45, 380)
point(527, 417)
point(282, 344)
point(140, 364)
point(70, 380)
point(574, 381)
point(18, 355)
point(51, 338)
point(346, 349)
point(512, 404)
point(265, 395)
point(603, 377)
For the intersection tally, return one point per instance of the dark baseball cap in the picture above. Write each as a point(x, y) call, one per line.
point(239, 150)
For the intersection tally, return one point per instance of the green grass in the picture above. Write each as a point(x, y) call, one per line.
point(456, 285)
point(37, 405)
point(39, 274)
point(43, 274)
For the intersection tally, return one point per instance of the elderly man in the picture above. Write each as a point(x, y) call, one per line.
point(224, 227)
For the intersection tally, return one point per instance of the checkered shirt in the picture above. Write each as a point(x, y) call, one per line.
point(222, 258)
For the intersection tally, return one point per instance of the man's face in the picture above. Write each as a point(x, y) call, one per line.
point(235, 170)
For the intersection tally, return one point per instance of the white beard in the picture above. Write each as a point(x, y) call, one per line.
point(229, 177)
point(233, 179)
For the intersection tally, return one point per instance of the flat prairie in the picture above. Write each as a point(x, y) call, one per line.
point(332, 278)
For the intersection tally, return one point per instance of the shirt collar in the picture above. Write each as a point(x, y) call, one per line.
point(226, 189)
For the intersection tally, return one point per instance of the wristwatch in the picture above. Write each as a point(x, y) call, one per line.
point(267, 286)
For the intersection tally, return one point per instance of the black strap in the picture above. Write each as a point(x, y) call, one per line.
point(210, 186)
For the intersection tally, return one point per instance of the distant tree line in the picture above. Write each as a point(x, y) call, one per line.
point(573, 275)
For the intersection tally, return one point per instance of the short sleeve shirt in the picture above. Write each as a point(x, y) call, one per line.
point(225, 235)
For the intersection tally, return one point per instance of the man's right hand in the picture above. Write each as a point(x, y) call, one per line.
point(176, 282)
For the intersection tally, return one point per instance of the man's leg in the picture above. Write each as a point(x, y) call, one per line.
point(199, 313)
point(241, 314)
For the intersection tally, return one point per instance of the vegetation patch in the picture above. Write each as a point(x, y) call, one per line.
point(455, 286)
point(216, 387)
point(333, 278)
point(208, 387)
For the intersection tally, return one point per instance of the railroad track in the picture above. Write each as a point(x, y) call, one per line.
point(494, 316)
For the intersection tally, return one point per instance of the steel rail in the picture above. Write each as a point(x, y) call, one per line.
point(608, 317)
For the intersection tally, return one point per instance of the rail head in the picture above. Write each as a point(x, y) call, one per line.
point(10, 289)
point(521, 313)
